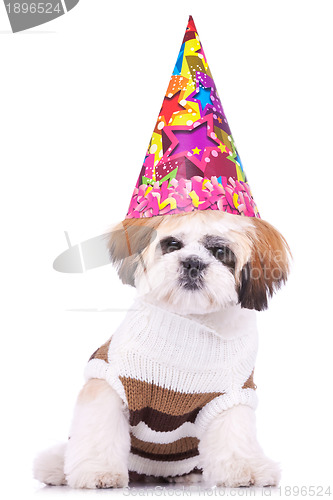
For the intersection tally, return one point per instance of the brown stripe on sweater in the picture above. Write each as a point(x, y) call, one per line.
point(101, 352)
point(160, 421)
point(179, 446)
point(249, 384)
point(174, 457)
point(141, 394)
point(136, 477)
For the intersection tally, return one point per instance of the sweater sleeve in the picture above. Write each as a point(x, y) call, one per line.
point(99, 366)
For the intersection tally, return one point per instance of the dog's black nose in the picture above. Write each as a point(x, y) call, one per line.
point(191, 277)
point(193, 266)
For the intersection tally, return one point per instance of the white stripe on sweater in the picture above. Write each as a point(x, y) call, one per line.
point(145, 433)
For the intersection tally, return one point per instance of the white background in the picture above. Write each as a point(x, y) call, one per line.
point(79, 98)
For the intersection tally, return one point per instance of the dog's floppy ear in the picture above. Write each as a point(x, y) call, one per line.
point(268, 266)
point(127, 242)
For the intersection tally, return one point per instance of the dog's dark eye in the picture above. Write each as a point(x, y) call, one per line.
point(169, 245)
point(223, 254)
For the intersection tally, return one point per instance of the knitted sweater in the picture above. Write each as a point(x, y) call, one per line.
point(175, 374)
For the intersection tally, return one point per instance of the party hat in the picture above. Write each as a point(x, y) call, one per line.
point(192, 162)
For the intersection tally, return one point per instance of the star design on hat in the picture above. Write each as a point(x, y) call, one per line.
point(222, 148)
point(191, 144)
point(181, 139)
point(205, 95)
point(202, 96)
point(170, 106)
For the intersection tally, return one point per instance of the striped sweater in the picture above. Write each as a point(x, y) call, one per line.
point(175, 374)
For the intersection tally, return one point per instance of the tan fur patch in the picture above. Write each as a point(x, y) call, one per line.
point(272, 250)
point(91, 390)
point(267, 268)
point(127, 242)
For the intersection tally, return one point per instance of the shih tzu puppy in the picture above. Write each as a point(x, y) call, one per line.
point(171, 395)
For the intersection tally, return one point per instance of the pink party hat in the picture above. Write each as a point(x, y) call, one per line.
point(192, 162)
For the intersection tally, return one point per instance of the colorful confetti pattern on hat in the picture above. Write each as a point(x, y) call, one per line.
point(192, 162)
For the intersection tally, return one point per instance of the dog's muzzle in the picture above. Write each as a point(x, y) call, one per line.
point(192, 273)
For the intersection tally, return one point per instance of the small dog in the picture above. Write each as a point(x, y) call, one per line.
point(171, 395)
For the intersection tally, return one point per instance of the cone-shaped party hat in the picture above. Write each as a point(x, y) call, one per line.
point(192, 162)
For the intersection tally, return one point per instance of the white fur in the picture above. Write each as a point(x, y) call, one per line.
point(49, 466)
point(96, 453)
point(230, 455)
point(160, 282)
point(96, 456)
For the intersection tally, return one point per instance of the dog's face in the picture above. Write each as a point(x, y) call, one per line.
point(190, 265)
point(201, 262)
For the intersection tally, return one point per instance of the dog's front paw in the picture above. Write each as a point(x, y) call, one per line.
point(265, 472)
point(259, 471)
point(98, 480)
